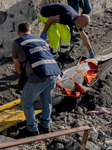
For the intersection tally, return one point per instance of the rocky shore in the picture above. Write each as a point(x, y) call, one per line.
point(93, 108)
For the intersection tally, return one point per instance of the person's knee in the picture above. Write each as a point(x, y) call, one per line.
point(66, 35)
point(54, 37)
point(57, 37)
point(26, 105)
point(54, 41)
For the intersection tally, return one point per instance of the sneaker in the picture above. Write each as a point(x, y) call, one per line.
point(43, 130)
point(28, 133)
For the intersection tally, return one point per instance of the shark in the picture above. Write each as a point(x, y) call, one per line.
point(77, 73)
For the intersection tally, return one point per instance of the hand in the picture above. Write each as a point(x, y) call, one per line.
point(92, 55)
point(43, 35)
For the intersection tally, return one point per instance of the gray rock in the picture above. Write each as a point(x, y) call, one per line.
point(59, 146)
point(92, 146)
point(72, 145)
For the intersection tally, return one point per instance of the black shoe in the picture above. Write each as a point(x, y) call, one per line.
point(68, 58)
point(74, 38)
point(56, 56)
point(28, 133)
point(42, 130)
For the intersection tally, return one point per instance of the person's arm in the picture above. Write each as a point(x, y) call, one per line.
point(17, 65)
point(85, 40)
point(51, 20)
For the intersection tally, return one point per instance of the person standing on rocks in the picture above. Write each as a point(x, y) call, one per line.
point(86, 9)
point(55, 18)
point(41, 70)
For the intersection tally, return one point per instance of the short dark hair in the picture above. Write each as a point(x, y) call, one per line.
point(24, 27)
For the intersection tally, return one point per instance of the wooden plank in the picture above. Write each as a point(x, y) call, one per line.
point(42, 137)
point(84, 140)
point(12, 114)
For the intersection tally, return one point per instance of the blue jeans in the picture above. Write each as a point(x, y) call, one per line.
point(75, 5)
point(30, 93)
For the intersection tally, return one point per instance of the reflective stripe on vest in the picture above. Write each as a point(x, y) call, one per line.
point(51, 61)
point(31, 40)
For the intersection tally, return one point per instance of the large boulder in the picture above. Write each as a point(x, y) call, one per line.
point(12, 13)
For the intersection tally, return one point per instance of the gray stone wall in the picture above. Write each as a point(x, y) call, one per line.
point(13, 12)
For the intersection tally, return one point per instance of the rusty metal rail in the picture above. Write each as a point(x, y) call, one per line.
point(49, 135)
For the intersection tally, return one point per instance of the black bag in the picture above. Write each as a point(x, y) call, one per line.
point(23, 78)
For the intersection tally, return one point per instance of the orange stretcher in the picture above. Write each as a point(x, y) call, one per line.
point(88, 76)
